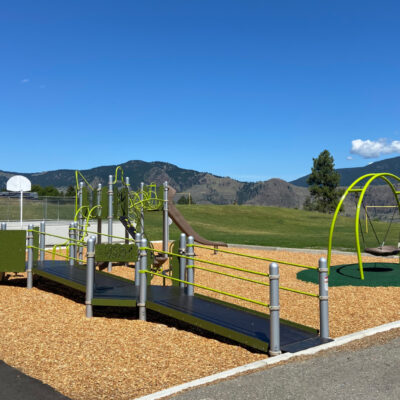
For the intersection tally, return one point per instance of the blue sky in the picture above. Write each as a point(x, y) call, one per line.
point(248, 89)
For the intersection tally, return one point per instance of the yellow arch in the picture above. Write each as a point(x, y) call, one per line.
point(371, 177)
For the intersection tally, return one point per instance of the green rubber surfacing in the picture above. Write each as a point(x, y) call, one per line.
point(375, 274)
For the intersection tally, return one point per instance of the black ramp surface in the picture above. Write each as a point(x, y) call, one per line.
point(14, 385)
point(242, 322)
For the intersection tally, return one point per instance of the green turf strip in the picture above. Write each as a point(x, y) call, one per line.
point(375, 274)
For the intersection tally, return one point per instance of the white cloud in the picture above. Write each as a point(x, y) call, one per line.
point(374, 148)
point(349, 158)
point(25, 80)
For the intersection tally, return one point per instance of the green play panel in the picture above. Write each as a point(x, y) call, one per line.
point(375, 274)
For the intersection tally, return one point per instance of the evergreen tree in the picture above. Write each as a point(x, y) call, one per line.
point(70, 191)
point(323, 182)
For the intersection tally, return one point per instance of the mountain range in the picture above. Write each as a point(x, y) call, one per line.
point(204, 188)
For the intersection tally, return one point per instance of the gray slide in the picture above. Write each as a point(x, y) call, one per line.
point(184, 226)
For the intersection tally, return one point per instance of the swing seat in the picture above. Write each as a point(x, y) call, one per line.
point(383, 251)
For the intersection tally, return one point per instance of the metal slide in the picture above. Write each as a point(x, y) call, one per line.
point(183, 225)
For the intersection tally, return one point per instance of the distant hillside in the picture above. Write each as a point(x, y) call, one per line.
point(348, 175)
point(204, 187)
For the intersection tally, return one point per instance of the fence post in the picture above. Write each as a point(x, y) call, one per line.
point(29, 267)
point(182, 260)
point(190, 264)
point(90, 276)
point(143, 281)
point(165, 217)
point(138, 239)
point(323, 298)
point(110, 214)
point(42, 241)
point(274, 307)
point(3, 226)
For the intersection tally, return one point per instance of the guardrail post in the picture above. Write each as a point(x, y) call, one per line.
point(182, 260)
point(71, 234)
point(138, 239)
point(323, 298)
point(90, 276)
point(110, 215)
point(190, 264)
point(274, 307)
point(29, 267)
point(165, 217)
point(3, 226)
point(143, 281)
point(42, 241)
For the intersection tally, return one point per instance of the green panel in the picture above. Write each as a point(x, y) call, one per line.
point(123, 197)
point(116, 252)
point(12, 251)
point(228, 333)
point(36, 244)
point(113, 302)
point(104, 202)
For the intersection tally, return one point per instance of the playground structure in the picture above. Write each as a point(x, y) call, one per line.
point(265, 332)
point(382, 249)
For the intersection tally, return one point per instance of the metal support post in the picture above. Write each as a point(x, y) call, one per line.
point(190, 264)
point(99, 213)
point(141, 208)
point(90, 276)
point(29, 267)
point(323, 298)
point(76, 237)
point(165, 218)
point(138, 239)
point(143, 281)
point(80, 219)
point(71, 234)
point(182, 261)
point(274, 307)
point(110, 214)
point(42, 241)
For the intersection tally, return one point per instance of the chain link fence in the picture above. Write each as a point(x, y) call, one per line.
point(42, 208)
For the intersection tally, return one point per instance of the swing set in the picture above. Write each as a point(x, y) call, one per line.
point(358, 188)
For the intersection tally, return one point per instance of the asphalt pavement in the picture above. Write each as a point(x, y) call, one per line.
point(371, 373)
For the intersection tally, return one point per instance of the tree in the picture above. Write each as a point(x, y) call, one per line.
point(45, 191)
point(323, 182)
point(185, 200)
point(70, 191)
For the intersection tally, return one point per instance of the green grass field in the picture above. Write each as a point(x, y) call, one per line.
point(269, 226)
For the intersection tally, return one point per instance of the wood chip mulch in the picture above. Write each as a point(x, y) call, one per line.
point(45, 334)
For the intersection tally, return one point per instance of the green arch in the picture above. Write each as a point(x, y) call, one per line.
point(371, 177)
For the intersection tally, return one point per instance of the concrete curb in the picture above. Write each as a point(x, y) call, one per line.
point(270, 361)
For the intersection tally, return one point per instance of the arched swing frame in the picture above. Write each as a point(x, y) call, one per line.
point(352, 189)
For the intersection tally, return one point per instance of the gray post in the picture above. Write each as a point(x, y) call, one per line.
point(80, 219)
point(143, 282)
point(141, 208)
point(3, 226)
point(165, 218)
point(274, 307)
point(190, 264)
point(110, 214)
point(29, 267)
point(182, 261)
point(90, 276)
point(71, 234)
point(99, 213)
point(42, 241)
point(76, 237)
point(138, 239)
point(323, 298)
